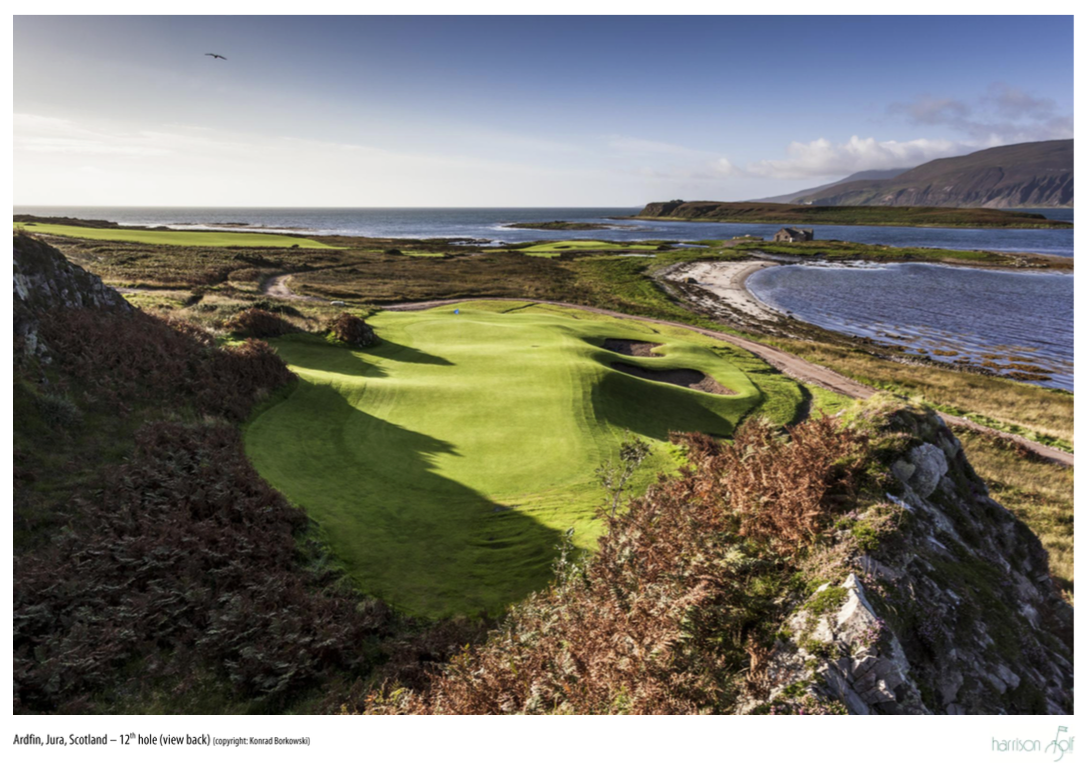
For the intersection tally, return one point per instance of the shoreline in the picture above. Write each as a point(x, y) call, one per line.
point(727, 281)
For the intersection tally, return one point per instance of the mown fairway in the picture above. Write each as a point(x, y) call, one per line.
point(444, 464)
point(174, 237)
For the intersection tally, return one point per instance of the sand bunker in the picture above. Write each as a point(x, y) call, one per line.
point(687, 378)
point(631, 347)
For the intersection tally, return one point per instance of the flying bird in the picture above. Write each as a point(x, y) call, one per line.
point(217, 56)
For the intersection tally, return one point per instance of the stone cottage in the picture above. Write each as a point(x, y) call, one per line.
point(792, 235)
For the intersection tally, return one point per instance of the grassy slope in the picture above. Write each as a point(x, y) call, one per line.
point(1039, 493)
point(1042, 414)
point(409, 454)
point(175, 237)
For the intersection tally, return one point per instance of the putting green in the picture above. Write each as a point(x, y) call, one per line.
point(173, 237)
point(444, 464)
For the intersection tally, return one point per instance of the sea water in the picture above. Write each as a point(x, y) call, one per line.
point(1004, 317)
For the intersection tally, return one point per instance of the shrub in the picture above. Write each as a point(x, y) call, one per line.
point(59, 411)
point(254, 322)
point(186, 562)
point(352, 330)
point(122, 360)
point(781, 491)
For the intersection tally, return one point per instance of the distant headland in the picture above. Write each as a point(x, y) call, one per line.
point(890, 216)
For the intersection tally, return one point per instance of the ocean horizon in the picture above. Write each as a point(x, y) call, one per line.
point(491, 225)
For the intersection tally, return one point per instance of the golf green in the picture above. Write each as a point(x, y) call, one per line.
point(444, 464)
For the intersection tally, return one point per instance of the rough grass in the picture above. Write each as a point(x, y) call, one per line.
point(398, 278)
point(195, 267)
point(174, 237)
point(551, 248)
point(1043, 414)
point(1039, 493)
point(444, 463)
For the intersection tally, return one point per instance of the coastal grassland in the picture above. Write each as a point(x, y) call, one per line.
point(1042, 414)
point(607, 280)
point(180, 267)
point(387, 278)
point(1039, 493)
point(173, 237)
point(444, 464)
point(550, 248)
point(844, 250)
point(374, 272)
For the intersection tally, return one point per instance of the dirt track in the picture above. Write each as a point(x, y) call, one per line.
point(277, 287)
point(790, 365)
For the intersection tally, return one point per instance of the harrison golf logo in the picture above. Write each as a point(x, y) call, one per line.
point(1057, 747)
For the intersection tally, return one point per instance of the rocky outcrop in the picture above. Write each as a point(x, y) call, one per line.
point(947, 608)
point(45, 280)
point(661, 208)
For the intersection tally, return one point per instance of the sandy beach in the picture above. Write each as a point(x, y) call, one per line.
point(727, 281)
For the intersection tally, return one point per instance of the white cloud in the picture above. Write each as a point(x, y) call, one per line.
point(1003, 115)
point(821, 158)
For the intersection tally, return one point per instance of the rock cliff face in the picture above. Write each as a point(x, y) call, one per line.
point(44, 279)
point(951, 610)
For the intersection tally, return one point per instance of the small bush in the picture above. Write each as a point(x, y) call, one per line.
point(352, 330)
point(59, 411)
point(254, 322)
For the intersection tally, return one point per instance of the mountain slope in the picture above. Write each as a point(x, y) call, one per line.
point(810, 192)
point(1029, 174)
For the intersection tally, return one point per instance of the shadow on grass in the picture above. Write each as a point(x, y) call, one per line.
point(397, 352)
point(425, 543)
point(315, 352)
point(648, 408)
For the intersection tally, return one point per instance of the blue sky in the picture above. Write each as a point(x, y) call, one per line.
point(514, 111)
